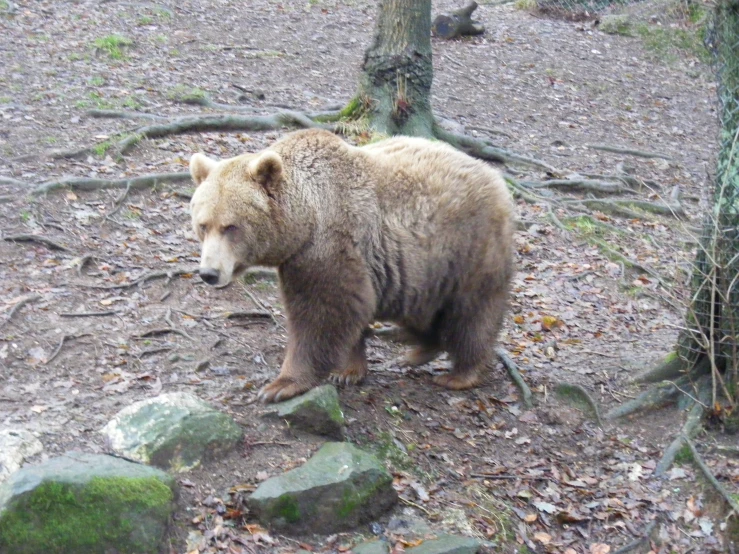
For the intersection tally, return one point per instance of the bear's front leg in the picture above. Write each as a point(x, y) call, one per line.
point(327, 317)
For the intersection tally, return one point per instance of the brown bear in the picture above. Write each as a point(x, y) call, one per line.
point(404, 230)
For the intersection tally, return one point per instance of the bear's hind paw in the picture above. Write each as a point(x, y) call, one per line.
point(458, 381)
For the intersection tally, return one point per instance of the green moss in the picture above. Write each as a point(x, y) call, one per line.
point(113, 45)
point(187, 95)
point(108, 512)
point(353, 499)
point(684, 455)
point(668, 42)
point(286, 508)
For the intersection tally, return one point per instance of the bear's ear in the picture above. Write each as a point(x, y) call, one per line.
point(200, 167)
point(267, 171)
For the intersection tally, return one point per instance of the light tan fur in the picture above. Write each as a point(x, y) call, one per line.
point(406, 230)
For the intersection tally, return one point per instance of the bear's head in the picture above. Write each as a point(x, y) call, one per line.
point(234, 212)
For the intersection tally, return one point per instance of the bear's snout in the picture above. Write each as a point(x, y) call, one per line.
point(210, 275)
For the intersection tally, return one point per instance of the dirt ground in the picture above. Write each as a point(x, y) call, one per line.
point(546, 479)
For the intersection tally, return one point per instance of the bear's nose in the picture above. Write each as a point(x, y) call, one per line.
point(209, 275)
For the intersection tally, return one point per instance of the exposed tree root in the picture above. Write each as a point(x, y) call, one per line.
point(38, 239)
point(578, 393)
point(18, 305)
point(672, 367)
point(641, 541)
point(168, 274)
point(88, 314)
point(730, 500)
point(134, 183)
point(624, 207)
point(629, 151)
point(615, 255)
point(515, 376)
point(690, 429)
point(216, 123)
point(61, 344)
point(483, 150)
point(11, 181)
point(123, 114)
point(587, 185)
point(655, 397)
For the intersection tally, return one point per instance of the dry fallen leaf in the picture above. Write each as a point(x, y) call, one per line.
point(599, 548)
point(543, 538)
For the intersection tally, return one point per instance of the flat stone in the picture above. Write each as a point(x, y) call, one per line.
point(317, 412)
point(447, 544)
point(16, 445)
point(338, 488)
point(372, 547)
point(174, 431)
point(86, 503)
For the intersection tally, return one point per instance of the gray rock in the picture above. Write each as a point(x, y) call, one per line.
point(174, 431)
point(317, 411)
point(409, 526)
point(16, 445)
point(372, 547)
point(616, 24)
point(447, 544)
point(339, 488)
point(86, 503)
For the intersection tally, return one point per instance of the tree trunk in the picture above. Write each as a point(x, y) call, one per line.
point(395, 87)
point(713, 316)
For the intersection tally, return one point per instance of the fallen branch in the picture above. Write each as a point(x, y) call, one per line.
point(61, 344)
point(163, 331)
point(134, 183)
point(515, 376)
point(614, 254)
point(457, 23)
point(18, 305)
point(88, 314)
point(629, 151)
point(249, 314)
point(118, 204)
point(38, 239)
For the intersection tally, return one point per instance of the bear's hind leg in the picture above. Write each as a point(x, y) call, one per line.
point(469, 337)
point(356, 368)
point(427, 349)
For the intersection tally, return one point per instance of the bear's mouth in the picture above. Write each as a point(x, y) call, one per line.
point(239, 270)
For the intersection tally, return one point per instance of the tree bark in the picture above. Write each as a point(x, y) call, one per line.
point(395, 87)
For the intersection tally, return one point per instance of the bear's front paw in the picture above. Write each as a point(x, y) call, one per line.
point(353, 375)
point(458, 381)
point(281, 389)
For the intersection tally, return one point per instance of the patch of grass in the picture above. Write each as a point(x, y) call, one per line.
point(388, 449)
point(113, 45)
point(161, 39)
point(50, 140)
point(525, 5)
point(96, 81)
point(174, 53)
point(75, 57)
point(161, 13)
point(5, 99)
point(25, 216)
point(668, 42)
point(186, 94)
point(132, 103)
point(145, 20)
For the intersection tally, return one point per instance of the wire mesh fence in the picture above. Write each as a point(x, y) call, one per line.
point(713, 312)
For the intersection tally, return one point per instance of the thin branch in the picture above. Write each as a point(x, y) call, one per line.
point(134, 183)
point(629, 151)
point(88, 314)
point(168, 274)
point(38, 239)
point(18, 305)
point(61, 344)
point(116, 114)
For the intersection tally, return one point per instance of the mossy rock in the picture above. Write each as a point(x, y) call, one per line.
point(174, 431)
point(86, 503)
point(447, 544)
point(317, 412)
point(339, 488)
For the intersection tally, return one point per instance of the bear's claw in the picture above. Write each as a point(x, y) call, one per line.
point(281, 389)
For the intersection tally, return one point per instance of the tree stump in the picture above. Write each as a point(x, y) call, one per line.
point(457, 23)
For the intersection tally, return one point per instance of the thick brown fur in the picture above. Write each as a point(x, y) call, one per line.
point(404, 230)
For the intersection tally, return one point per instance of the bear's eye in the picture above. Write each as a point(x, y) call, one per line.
point(203, 229)
point(230, 229)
